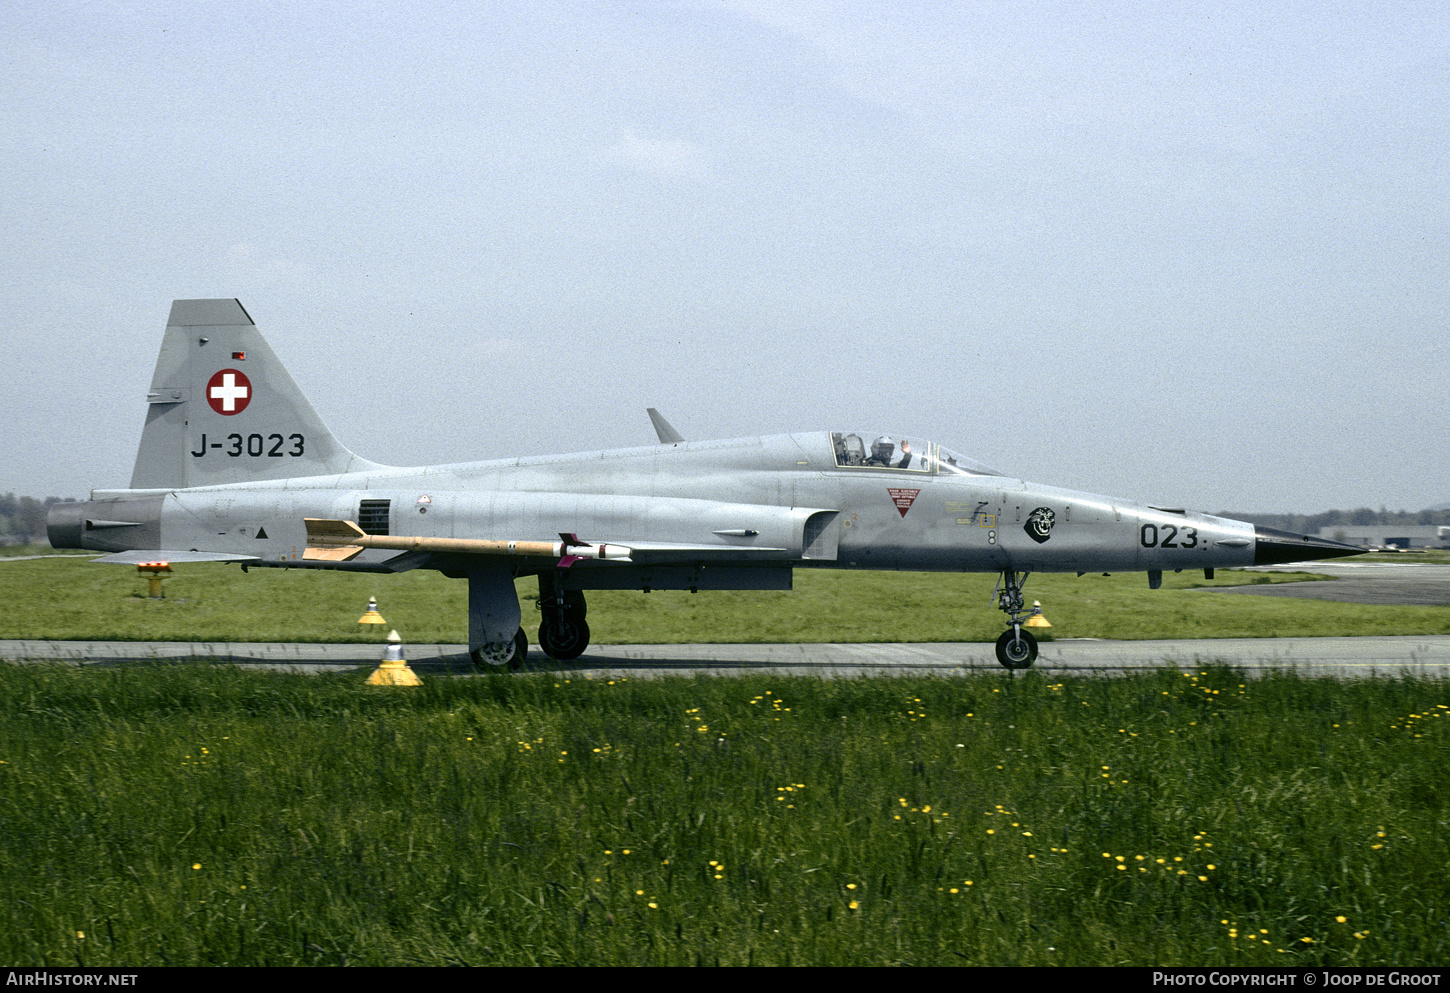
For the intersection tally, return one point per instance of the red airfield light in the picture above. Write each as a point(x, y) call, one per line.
point(158, 570)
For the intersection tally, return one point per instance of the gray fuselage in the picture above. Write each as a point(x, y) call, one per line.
point(781, 501)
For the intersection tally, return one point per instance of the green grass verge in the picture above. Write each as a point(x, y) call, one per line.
point(1428, 556)
point(206, 815)
point(73, 599)
point(19, 551)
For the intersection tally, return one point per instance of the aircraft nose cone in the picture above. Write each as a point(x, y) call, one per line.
point(1272, 546)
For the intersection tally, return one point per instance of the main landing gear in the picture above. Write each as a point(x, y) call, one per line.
point(563, 631)
point(1016, 649)
point(498, 654)
point(495, 638)
point(493, 610)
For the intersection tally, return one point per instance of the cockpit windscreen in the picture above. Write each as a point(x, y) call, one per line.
point(952, 462)
point(874, 450)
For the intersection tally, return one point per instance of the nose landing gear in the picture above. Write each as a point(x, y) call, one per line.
point(1016, 649)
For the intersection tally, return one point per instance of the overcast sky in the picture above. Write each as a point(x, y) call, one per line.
point(1193, 254)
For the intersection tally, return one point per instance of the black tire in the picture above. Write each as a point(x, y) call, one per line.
point(1016, 649)
point(565, 640)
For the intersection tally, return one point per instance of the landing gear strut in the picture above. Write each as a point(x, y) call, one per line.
point(563, 631)
point(495, 638)
point(1016, 649)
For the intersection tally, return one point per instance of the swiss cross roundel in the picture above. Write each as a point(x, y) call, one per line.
point(229, 392)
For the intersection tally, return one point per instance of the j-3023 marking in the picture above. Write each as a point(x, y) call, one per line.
point(273, 446)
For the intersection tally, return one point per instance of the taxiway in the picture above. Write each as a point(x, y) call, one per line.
point(1341, 657)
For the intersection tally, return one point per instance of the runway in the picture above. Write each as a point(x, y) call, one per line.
point(1341, 657)
point(1410, 583)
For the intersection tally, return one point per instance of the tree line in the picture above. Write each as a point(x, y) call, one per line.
point(22, 519)
point(1359, 517)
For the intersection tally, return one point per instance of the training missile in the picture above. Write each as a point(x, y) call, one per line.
point(340, 541)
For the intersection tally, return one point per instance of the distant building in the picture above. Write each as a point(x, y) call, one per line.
point(1381, 535)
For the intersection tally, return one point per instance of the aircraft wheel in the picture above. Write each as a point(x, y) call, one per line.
point(566, 639)
point(1016, 649)
point(511, 654)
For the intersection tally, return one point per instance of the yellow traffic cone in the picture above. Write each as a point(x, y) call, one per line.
point(1036, 620)
point(394, 669)
point(372, 616)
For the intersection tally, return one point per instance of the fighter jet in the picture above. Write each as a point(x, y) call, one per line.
point(236, 466)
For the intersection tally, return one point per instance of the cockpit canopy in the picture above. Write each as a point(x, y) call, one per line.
point(876, 450)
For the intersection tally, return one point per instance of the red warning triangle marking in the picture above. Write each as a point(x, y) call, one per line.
point(902, 498)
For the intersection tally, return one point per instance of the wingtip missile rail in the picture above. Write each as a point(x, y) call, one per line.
point(341, 541)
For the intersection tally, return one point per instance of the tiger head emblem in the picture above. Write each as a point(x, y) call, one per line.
point(1039, 524)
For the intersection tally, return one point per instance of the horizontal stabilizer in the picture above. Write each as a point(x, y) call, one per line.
point(136, 557)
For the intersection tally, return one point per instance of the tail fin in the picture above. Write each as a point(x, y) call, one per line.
point(224, 410)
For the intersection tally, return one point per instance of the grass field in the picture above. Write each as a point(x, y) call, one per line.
point(194, 814)
point(205, 815)
point(72, 598)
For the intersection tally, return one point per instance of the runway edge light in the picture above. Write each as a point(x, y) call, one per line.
point(394, 671)
point(159, 571)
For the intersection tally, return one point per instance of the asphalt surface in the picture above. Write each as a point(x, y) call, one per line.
point(1343, 657)
point(1409, 583)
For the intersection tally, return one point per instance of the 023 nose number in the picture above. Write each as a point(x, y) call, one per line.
point(1169, 536)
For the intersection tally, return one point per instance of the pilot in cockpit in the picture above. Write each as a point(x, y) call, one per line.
point(882, 451)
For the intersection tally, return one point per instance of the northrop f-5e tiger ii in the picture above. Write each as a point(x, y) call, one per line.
point(236, 466)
